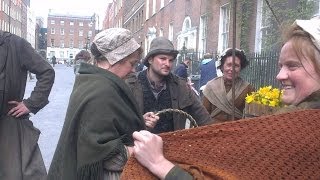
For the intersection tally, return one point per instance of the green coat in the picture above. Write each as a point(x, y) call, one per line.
point(101, 117)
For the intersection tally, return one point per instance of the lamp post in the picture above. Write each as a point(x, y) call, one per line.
point(95, 17)
point(87, 39)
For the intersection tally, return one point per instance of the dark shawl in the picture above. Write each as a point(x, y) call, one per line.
point(101, 117)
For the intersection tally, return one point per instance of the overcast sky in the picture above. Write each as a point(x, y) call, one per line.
point(77, 7)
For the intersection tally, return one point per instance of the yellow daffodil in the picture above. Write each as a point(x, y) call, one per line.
point(265, 95)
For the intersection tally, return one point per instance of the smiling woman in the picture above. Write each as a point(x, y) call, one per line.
point(300, 65)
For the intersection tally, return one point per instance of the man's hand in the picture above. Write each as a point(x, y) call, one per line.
point(148, 150)
point(18, 110)
point(150, 119)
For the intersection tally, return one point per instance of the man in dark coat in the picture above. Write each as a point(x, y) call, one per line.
point(208, 69)
point(20, 154)
point(156, 88)
point(182, 69)
point(54, 60)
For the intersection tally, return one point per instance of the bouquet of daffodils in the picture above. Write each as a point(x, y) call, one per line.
point(263, 102)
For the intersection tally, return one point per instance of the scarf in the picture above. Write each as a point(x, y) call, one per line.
point(215, 92)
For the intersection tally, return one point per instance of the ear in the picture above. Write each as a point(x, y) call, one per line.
point(150, 60)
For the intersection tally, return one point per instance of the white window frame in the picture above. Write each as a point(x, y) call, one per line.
point(262, 24)
point(224, 25)
point(203, 29)
point(52, 22)
point(170, 34)
point(80, 32)
point(52, 31)
point(154, 6)
point(62, 31)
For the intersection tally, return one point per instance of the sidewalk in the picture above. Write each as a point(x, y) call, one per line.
point(50, 119)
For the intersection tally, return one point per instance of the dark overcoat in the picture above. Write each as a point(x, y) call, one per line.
point(20, 155)
point(182, 98)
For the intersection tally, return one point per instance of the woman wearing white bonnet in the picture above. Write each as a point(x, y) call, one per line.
point(96, 138)
point(299, 63)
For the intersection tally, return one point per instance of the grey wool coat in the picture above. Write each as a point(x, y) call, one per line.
point(20, 155)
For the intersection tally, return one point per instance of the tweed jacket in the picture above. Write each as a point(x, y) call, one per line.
point(182, 98)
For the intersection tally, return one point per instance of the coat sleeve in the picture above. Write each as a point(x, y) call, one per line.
point(177, 173)
point(190, 103)
point(45, 74)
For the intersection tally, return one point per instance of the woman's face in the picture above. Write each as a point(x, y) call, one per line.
point(297, 76)
point(227, 68)
point(126, 66)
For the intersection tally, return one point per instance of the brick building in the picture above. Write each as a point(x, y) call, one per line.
point(13, 16)
point(200, 26)
point(68, 34)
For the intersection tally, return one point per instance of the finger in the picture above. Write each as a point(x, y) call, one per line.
point(12, 111)
point(19, 114)
point(13, 102)
point(137, 136)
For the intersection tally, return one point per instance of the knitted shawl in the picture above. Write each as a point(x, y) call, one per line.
point(283, 146)
point(101, 117)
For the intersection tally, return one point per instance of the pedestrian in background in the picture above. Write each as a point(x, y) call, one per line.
point(82, 57)
point(54, 60)
point(208, 69)
point(217, 94)
point(20, 154)
point(156, 89)
point(182, 69)
point(96, 139)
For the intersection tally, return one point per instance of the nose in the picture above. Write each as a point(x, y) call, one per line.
point(282, 74)
point(167, 62)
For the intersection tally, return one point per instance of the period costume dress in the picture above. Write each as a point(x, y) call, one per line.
point(101, 117)
point(218, 98)
point(20, 154)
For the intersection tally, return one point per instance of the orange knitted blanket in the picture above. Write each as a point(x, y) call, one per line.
point(269, 147)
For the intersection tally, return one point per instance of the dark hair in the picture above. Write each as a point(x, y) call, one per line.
point(239, 53)
point(207, 56)
point(83, 54)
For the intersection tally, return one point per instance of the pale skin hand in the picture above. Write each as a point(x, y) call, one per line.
point(130, 150)
point(148, 150)
point(150, 119)
point(18, 110)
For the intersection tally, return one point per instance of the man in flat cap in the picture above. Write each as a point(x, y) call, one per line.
point(156, 88)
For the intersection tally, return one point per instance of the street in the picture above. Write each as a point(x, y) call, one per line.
point(50, 119)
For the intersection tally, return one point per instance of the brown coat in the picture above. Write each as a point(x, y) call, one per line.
point(182, 97)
